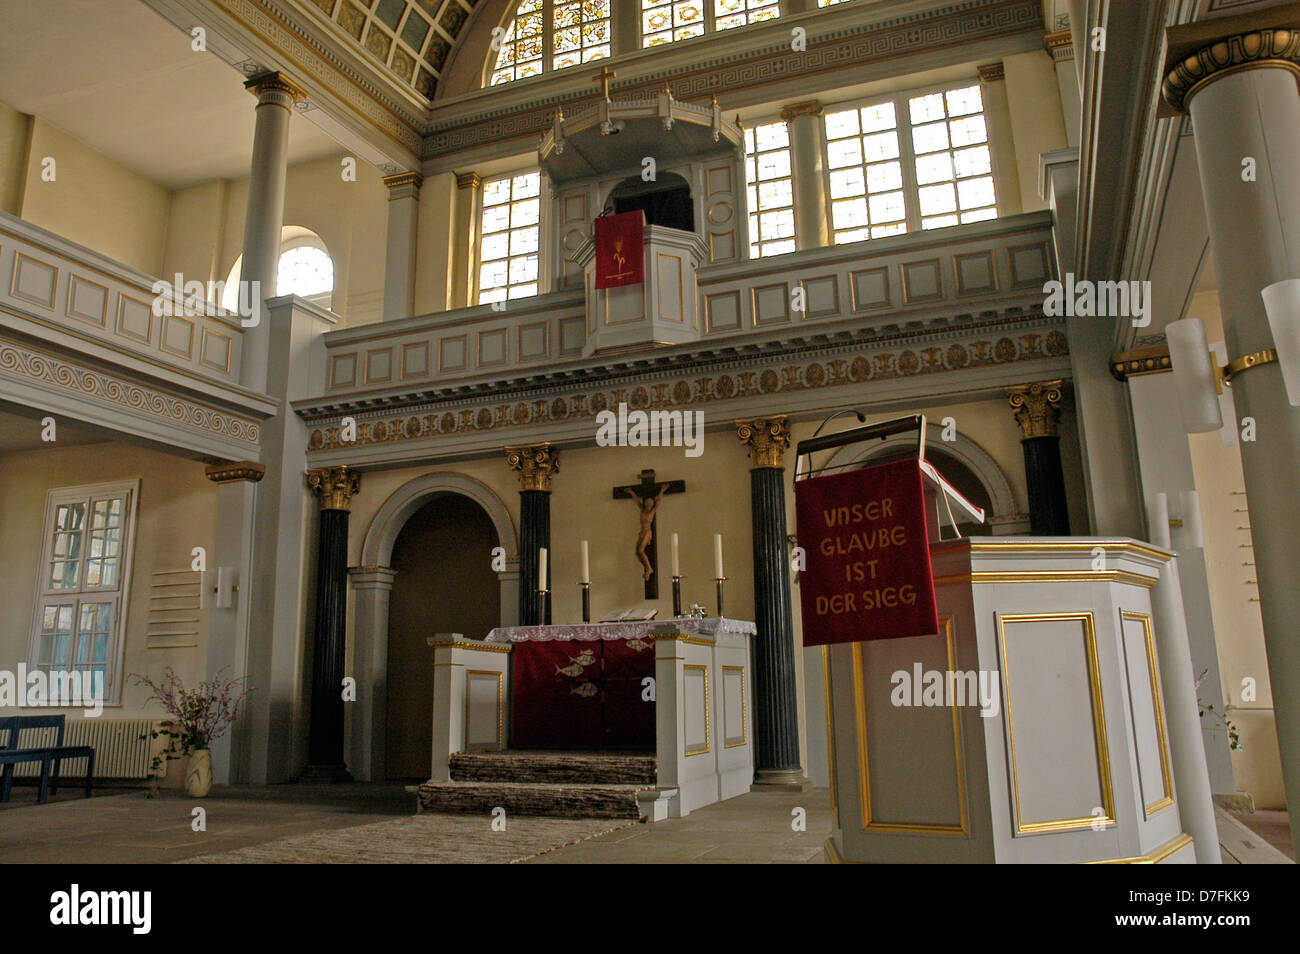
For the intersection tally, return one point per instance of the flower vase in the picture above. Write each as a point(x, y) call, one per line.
point(198, 775)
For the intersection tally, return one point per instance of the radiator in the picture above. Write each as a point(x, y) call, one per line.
point(119, 750)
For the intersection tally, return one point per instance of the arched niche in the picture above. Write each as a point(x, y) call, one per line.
point(666, 200)
point(372, 582)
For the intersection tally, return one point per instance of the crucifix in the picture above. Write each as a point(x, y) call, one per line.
point(647, 494)
point(603, 78)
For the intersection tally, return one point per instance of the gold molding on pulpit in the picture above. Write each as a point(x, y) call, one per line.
point(481, 647)
point(1098, 723)
point(707, 727)
point(744, 709)
point(1166, 774)
point(833, 854)
point(501, 702)
point(681, 638)
point(1047, 576)
point(830, 729)
point(1166, 850)
point(864, 764)
point(1130, 546)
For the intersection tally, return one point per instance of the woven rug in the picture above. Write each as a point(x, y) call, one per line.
point(423, 839)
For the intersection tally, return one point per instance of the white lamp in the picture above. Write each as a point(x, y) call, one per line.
point(1282, 303)
point(1194, 377)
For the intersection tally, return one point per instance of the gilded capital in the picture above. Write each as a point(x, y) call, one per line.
point(536, 464)
point(1059, 45)
point(809, 107)
point(235, 470)
point(992, 72)
point(334, 486)
point(1187, 72)
point(767, 438)
point(404, 185)
point(1037, 407)
point(275, 88)
point(468, 180)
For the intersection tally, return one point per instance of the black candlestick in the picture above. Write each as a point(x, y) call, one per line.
point(720, 580)
point(677, 596)
point(586, 601)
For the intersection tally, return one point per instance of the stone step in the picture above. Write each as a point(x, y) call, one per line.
point(556, 801)
point(588, 768)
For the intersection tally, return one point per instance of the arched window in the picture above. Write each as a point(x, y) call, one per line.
point(551, 35)
point(665, 21)
point(305, 269)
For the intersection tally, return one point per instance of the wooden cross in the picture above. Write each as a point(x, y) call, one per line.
point(603, 78)
point(647, 493)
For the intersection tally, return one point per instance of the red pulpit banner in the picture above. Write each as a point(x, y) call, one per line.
point(620, 256)
point(868, 573)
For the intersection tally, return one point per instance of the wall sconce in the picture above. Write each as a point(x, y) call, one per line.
point(1200, 378)
point(1282, 303)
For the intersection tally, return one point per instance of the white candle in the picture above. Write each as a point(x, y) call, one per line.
point(677, 569)
point(717, 556)
point(586, 565)
point(541, 568)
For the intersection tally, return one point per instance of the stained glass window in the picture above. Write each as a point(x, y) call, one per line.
point(510, 230)
point(551, 35)
point(914, 161)
point(771, 190)
point(666, 21)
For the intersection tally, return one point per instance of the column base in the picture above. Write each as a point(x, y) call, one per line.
point(324, 774)
point(782, 780)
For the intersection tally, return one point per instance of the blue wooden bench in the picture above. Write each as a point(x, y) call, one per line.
point(50, 756)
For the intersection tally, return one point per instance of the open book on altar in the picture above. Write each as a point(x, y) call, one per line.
point(633, 613)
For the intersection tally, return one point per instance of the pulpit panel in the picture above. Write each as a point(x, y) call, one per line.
point(484, 725)
point(1151, 745)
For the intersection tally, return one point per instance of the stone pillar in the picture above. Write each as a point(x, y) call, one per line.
point(625, 26)
point(334, 486)
point(399, 264)
point(804, 121)
point(264, 217)
point(1006, 174)
point(469, 200)
point(776, 707)
point(371, 588)
point(1060, 47)
point(1236, 76)
point(228, 626)
point(536, 464)
point(1038, 409)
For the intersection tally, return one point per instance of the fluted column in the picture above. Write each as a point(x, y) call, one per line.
point(804, 121)
point(399, 257)
point(334, 486)
point(1238, 83)
point(264, 217)
point(1038, 409)
point(776, 711)
point(536, 464)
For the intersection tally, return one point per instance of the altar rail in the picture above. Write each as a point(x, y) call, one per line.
point(67, 294)
point(895, 285)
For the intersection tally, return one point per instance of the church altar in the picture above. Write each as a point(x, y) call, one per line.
point(680, 686)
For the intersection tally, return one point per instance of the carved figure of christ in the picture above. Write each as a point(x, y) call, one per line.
point(647, 495)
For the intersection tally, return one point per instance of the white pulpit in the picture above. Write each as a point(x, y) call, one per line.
point(660, 310)
point(1063, 754)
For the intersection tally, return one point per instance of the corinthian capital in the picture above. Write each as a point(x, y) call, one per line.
point(334, 486)
point(767, 438)
point(536, 464)
point(1037, 407)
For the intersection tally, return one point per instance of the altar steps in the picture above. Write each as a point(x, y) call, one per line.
point(553, 784)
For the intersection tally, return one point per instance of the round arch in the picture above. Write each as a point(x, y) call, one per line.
point(372, 582)
point(292, 238)
point(980, 462)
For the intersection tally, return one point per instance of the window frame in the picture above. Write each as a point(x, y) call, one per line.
point(710, 21)
point(544, 200)
point(548, 43)
point(750, 124)
point(906, 152)
point(119, 594)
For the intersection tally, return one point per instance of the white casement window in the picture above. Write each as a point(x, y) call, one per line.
point(771, 190)
point(666, 21)
point(913, 161)
point(551, 35)
point(82, 584)
point(509, 237)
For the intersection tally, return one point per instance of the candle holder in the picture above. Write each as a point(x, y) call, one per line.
point(586, 601)
point(720, 580)
point(543, 604)
point(677, 596)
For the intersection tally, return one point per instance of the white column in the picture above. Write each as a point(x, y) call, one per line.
point(464, 230)
point(804, 121)
point(1245, 103)
point(1006, 174)
point(264, 217)
point(625, 26)
point(1060, 47)
point(371, 588)
point(399, 263)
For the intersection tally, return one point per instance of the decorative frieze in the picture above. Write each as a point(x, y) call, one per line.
point(235, 470)
point(1260, 48)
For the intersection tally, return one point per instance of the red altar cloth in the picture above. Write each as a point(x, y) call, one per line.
point(583, 694)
